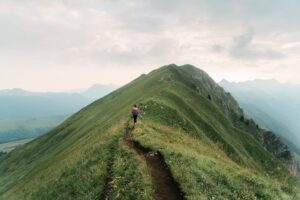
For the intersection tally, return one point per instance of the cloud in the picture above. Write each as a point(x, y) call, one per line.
point(242, 47)
point(129, 34)
point(217, 48)
point(243, 41)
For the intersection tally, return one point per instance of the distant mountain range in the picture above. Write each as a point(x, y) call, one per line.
point(97, 91)
point(18, 106)
point(273, 105)
point(18, 103)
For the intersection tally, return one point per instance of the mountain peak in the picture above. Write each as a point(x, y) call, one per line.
point(14, 91)
point(186, 119)
point(98, 90)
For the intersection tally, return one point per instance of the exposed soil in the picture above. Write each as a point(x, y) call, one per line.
point(165, 187)
point(105, 193)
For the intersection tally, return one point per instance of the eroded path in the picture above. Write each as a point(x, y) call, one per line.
point(165, 187)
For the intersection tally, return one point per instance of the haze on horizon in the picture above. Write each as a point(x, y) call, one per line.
point(65, 45)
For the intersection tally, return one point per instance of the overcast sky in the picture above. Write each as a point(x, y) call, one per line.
point(58, 45)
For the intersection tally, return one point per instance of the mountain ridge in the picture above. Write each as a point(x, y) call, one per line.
point(186, 116)
point(275, 107)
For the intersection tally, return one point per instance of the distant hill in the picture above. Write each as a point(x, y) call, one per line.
point(97, 91)
point(25, 114)
point(17, 129)
point(20, 104)
point(212, 150)
point(273, 105)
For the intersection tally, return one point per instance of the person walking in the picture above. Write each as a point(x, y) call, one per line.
point(135, 112)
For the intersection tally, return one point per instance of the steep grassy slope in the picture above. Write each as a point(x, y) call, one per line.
point(11, 130)
point(273, 105)
point(9, 146)
point(185, 116)
point(265, 98)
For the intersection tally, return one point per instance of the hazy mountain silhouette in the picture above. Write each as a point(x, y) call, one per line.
point(274, 105)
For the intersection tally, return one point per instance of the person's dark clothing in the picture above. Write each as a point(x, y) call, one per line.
point(134, 118)
point(135, 112)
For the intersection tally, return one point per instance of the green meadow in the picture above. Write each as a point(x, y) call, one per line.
point(185, 116)
point(17, 129)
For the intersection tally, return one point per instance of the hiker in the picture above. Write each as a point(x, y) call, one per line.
point(135, 112)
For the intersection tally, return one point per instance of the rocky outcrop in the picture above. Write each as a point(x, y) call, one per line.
point(207, 87)
point(274, 144)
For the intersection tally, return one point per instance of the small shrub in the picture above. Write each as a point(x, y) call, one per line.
point(2, 153)
point(209, 97)
point(242, 118)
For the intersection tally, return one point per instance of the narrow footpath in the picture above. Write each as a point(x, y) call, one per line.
point(165, 187)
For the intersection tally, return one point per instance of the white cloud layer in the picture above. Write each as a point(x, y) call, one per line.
point(69, 44)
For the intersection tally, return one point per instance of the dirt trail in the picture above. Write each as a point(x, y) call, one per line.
point(165, 187)
point(105, 194)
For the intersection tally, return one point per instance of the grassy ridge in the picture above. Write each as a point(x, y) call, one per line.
point(128, 179)
point(83, 176)
point(206, 172)
point(208, 155)
point(65, 145)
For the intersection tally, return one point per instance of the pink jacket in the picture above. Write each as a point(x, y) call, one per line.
point(135, 110)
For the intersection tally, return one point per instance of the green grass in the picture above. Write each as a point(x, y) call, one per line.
point(209, 156)
point(82, 176)
point(6, 125)
point(90, 171)
point(11, 130)
point(131, 177)
point(204, 171)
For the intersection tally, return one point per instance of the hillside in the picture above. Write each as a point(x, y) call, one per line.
point(21, 104)
point(12, 130)
point(211, 150)
point(26, 114)
point(274, 105)
point(97, 91)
